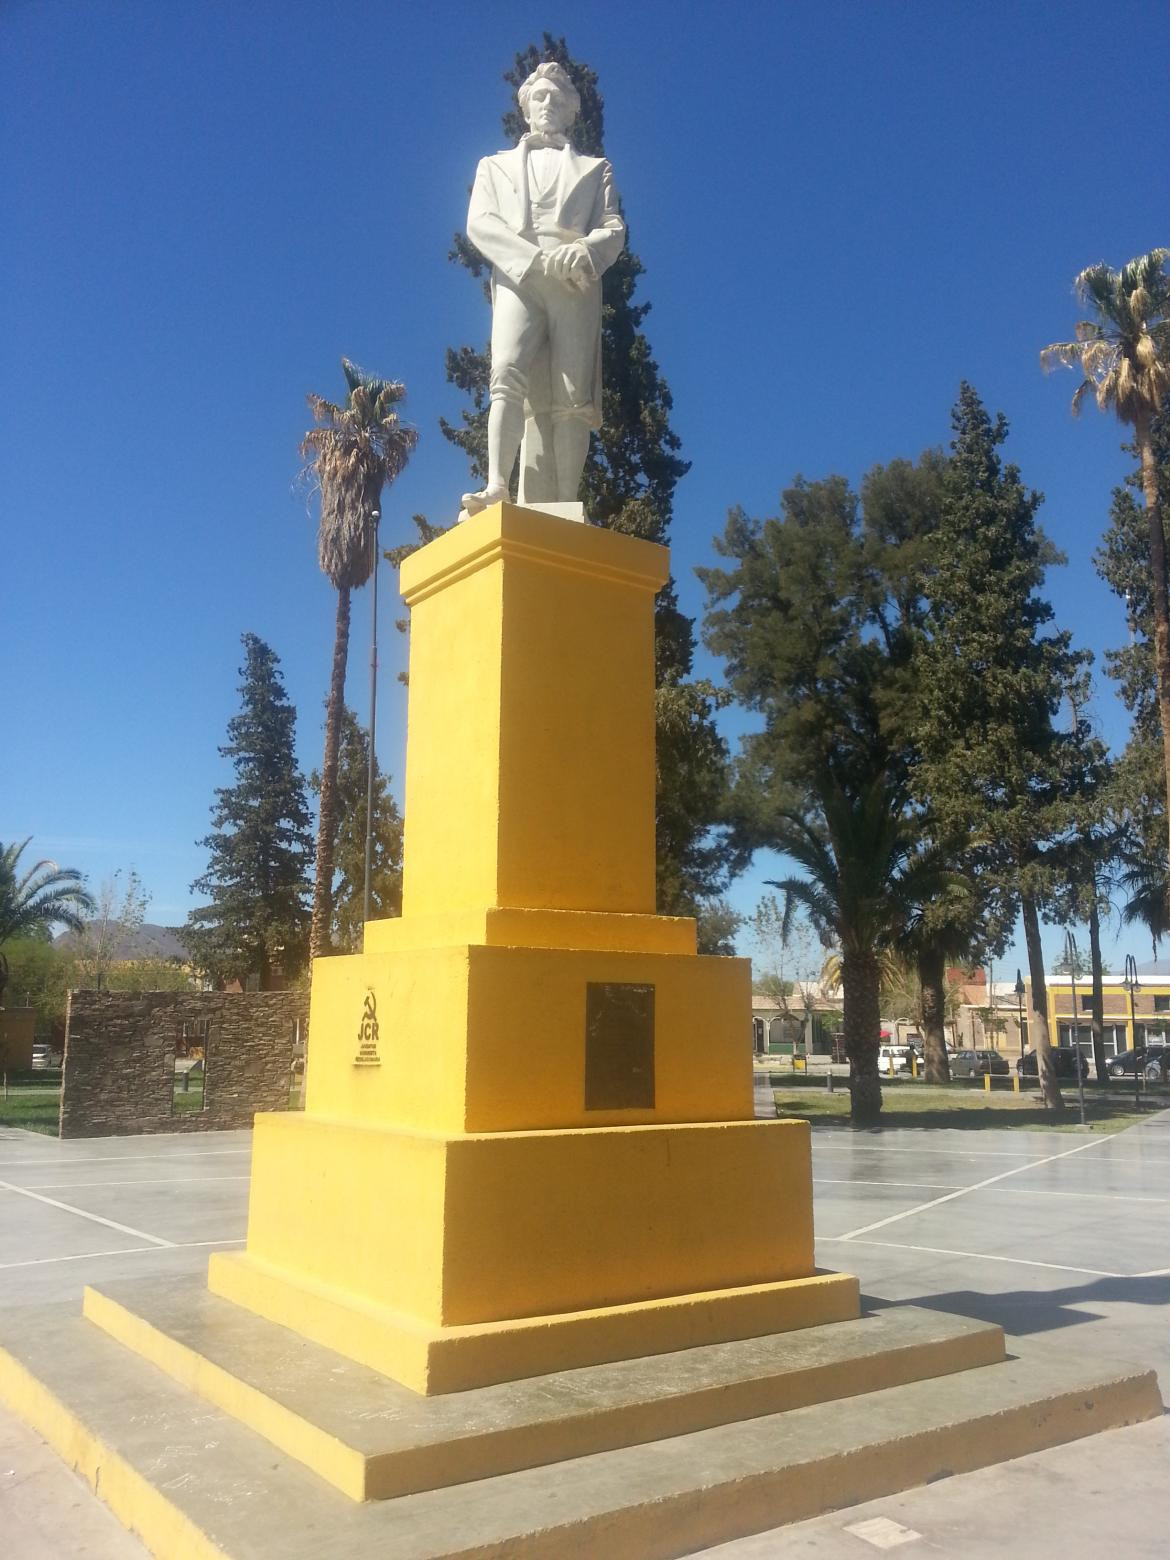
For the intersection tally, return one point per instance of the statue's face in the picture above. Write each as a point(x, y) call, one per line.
point(550, 111)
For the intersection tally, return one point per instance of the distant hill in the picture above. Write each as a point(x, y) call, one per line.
point(141, 942)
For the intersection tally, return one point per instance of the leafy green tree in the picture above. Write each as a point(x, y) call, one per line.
point(41, 976)
point(944, 929)
point(356, 450)
point(1123, 351)
point(990, 762)
point(797, 618)
point(1088, 859)
point(1138, 780)
point(901, 505)
point(349, 854)
point(34, 899)
point(864, 876)
point(257, 921)
point(630, 476)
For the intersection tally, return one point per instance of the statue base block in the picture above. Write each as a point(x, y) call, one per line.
point(450, 1262)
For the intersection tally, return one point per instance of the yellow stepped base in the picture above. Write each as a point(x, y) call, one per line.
point(196, 1484)
point(431, 1359)
point(452, 1261)
point(374, 1439)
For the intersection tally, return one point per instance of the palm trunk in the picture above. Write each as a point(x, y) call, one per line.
point(932, 980)
point(1098, 1015)
point(320, 941)
point(1038, 1018)
point(1158, 593)
point(861, 1026)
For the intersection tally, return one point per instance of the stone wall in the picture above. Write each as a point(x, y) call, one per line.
point(119, 1070)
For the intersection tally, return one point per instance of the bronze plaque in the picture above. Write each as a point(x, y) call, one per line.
point(619, 1046)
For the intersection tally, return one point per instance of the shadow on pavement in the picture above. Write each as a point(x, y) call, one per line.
point(1024, 1311)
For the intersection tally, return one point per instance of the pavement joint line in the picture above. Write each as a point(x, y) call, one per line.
point(162, 1180)
point(987, 1256)
point(957, 1153)
point(94, 1218)
point(112, 1159)
point(935, 1202)
point(122, 1251)
point(1022, 1191)
point(828, 1180)
point(1044, 1191)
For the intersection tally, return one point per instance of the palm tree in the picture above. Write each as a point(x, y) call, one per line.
point(356, 450)
point(938, 931)
point(1145, 884)
point(1124, 354)
point(45, 895)
point(862, 875)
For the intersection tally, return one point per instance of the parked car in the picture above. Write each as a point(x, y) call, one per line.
point(1066, 1063)
point(894, 1059)
point(974, 1064)
point(1152, 1058)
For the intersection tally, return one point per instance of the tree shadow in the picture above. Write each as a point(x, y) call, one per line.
point(1026, 1311)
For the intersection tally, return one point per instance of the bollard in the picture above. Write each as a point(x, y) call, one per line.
point(913, 1064)
point(1015, 1083)
point(987, 1083)
point(829, 1076)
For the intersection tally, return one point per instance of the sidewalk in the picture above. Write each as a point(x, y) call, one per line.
point(1059, 1236)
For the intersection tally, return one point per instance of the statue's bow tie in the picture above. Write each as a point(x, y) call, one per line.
point(536, 139)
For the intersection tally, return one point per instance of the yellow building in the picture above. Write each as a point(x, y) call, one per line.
point(995, 1022)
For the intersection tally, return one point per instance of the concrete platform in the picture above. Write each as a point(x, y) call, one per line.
point(372, 1438)
point(192, 1481)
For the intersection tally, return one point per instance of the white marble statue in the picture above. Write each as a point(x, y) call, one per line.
point(548, 221)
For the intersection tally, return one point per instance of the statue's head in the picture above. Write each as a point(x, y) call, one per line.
point(548, 99)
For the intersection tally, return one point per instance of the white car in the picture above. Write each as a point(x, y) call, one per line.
point(894, 1059)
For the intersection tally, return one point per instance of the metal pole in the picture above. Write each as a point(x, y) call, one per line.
point(1071, 953)
point(1133, 986)
point(375, 517)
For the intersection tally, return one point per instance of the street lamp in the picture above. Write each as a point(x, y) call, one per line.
point(1073, 956)
point(375, 516)
point(1020, 1010)
point(1132, 986)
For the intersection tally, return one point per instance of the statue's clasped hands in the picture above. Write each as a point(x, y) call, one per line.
point(570, 263)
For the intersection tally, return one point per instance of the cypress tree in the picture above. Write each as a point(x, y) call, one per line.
point(1138, 792)
point(260, 847)
point(991, 763)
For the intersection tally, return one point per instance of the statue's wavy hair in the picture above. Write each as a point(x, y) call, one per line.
point(552, 71)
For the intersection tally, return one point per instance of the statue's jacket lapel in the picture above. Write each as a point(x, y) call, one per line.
point(499, 207)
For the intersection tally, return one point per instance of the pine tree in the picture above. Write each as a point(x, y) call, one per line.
point(991, 763)
point(349, 851)
point(261, 852)
point(628, 484)
point(1138, 790)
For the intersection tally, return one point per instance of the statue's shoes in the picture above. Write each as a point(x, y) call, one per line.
point(474, 502)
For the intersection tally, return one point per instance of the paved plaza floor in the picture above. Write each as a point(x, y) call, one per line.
point(1064, 1236)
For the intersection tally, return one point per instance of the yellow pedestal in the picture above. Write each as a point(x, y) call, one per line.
point(528, 1140)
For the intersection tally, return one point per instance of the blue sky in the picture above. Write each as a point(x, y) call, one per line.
point(843, 208)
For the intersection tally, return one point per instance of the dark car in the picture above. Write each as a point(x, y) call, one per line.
point(1152, 1060)
point(974, 1064)
point(1065, 1063)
